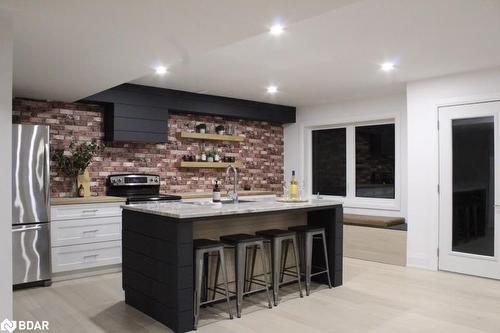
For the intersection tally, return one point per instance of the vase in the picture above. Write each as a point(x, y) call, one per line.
point(74, 187)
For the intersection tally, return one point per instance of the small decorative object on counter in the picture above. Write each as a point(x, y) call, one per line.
point(219, 130)
point(201, 128)
point(216, 192)
point(247, 187)
point(76, 159)
point(81, 191)
point(216, 156)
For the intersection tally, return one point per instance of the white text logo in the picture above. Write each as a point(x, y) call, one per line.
point(24, 325)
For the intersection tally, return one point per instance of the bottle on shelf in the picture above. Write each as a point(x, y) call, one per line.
point(216, 192)
point(216, 155)
point(203, 154)
point(293, 187)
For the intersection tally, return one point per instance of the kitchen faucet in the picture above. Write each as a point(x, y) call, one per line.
point(233, 195)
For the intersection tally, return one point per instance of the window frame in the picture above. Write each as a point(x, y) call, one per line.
point(350, 200)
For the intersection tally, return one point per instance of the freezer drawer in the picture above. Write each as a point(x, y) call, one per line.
point(31, 253)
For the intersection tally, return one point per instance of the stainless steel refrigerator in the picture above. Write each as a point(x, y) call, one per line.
point(30, 204)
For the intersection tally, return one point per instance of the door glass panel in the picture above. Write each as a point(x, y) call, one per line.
point(473, 185)
point(329, 161)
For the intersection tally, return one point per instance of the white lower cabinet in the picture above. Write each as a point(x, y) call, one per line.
point(85, 236)
point(73, 257)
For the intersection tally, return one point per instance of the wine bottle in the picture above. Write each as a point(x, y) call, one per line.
point(293, 187)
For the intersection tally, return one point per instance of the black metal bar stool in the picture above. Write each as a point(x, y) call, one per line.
point(277, 238)
point(307, 234)
point(202, 248)
point(241, 243)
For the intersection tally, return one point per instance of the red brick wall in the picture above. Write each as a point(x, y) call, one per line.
point(261, 151)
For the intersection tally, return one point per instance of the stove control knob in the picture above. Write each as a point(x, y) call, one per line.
point(156, 180)
point(119, 180)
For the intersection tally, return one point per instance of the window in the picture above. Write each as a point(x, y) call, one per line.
point(375, 161)
point(355, 161)
point(329, 162)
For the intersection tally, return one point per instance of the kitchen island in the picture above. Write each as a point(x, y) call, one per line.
point(158, 246)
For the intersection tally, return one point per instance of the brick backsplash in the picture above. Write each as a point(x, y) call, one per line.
point(261, 151)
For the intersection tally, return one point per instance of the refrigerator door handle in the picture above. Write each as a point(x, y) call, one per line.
point(26, 229)
point(47, 177)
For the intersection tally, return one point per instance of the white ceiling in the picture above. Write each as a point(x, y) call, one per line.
point(330, 50)
point(70, 49)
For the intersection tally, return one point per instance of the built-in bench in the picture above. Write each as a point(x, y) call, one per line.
point(375, 238)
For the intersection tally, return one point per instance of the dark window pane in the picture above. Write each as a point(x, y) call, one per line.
point(473, 185)
point(329, 161)
point(375, 150)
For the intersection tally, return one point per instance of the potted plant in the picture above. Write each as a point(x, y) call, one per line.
point(201, 128)
point(76, 159)
point(219, 129)
point(210, 156)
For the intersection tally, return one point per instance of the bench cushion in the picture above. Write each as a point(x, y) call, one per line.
point(372, 221)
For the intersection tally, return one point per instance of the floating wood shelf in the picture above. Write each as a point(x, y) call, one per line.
point(210, 136)
point(210, 165)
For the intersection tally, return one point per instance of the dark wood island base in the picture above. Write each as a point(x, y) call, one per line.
point(158, 254)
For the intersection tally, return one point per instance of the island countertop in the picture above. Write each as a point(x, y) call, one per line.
point(189, 210)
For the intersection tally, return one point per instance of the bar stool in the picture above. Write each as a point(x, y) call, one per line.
point(277, 237)
point(306, 235)
point(202, 248)
point(241, 243)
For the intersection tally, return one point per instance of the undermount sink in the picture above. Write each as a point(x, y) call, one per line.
point(210, 203)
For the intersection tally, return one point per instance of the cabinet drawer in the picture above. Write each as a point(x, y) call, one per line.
point(70, 212)
point(84, 231)
point(73, 257)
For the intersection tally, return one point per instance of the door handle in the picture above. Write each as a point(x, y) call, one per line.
point(26, 229)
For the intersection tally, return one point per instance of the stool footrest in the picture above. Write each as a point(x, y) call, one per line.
point(318, 273)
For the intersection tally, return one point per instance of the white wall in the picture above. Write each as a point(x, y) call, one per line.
point(386, 107)
point(423, 98)
point(5, 167)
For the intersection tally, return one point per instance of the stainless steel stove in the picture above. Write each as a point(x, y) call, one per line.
point(137, 188)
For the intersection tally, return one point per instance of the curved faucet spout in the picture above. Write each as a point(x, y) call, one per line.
point(233, 195)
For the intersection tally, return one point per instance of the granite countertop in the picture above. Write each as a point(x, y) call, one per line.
point(85, 200)
point(185, 210)
point(196, 195)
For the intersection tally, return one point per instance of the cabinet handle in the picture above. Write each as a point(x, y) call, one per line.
point(90, 211)
point(90, 256)
point(87, 231)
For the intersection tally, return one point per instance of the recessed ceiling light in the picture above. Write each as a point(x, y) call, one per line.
point(272, 90)
point(387, 66)
point(160, 70)
point(276, 29)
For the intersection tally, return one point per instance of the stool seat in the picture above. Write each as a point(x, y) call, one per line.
point(203, 243)
point(240, 238)
point(271, 233)
point(306, 228)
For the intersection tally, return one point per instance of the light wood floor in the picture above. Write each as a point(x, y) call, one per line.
point(375, 298)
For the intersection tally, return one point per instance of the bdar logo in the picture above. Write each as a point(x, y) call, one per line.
point(8, 325)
